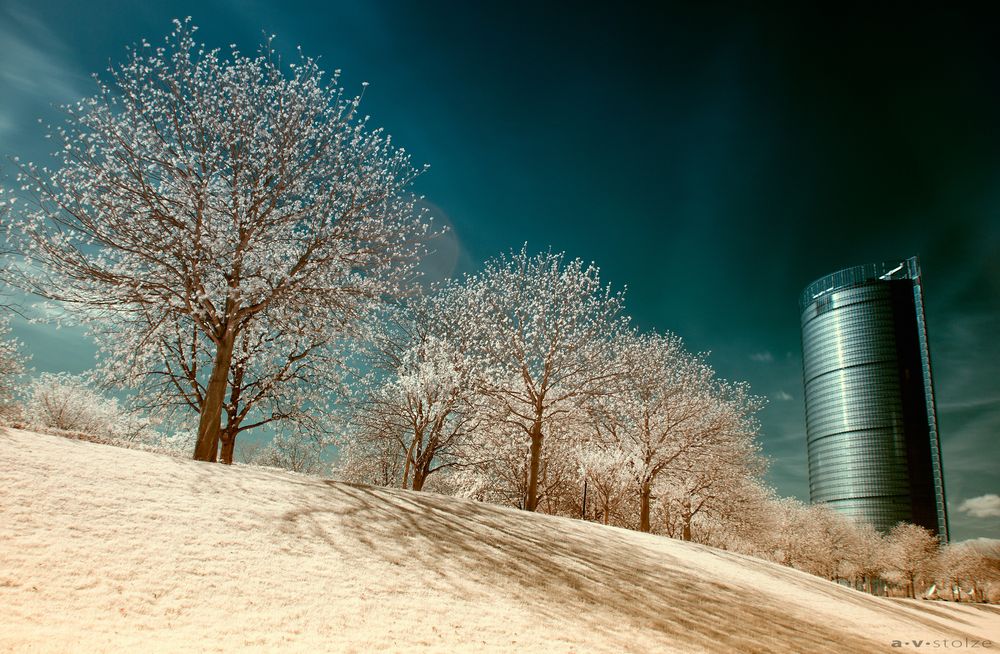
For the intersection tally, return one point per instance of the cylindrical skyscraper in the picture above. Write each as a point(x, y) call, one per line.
point(871, 426)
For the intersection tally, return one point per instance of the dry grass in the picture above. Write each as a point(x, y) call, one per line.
point(107, 549)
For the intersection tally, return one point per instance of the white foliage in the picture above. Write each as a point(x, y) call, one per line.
point(972, 565)
point(69, 403)
point(416, 400)
point(11, 362)
point(228, 194)
point(539, 330)
point(667, 413)
point(66, 402)
point(292, 451)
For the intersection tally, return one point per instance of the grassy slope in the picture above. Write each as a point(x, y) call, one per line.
point(103, 548)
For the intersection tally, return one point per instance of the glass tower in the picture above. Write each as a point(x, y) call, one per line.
point(871, 425)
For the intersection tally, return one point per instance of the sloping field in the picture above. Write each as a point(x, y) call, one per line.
point(108, 549)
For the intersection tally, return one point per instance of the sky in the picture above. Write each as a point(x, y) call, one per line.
point(712, 159)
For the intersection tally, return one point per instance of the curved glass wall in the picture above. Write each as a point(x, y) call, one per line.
point(870, 420)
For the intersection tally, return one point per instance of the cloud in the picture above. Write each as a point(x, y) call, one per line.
point(984, 506)
point(964, 404)
point(35, 71)
point(782, 396)
point(762, 357)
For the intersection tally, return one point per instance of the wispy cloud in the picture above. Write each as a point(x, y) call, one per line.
point(984, 506)
point(762, 357)
point(782, 396)
point(36, 69)
point(964, 404)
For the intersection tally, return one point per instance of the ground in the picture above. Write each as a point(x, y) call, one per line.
point(109, 549)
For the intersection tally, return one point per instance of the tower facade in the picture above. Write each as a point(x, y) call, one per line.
point(871, 424)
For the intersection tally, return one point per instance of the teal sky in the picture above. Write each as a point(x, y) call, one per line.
point(713, 159)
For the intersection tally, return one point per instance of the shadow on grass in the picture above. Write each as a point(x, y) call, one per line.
point(533, 556)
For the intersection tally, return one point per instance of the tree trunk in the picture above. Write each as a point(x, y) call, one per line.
point(206, 449)
point(421, 471)
point(409, 460)
point(536, 457)
point(228, 440)
point(644, 494)
point(686, 532)
point(422, 468)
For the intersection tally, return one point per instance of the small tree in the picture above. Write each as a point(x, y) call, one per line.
point(66, 402)
point(605, 472)
point(360, 461)
point(218, 190)
point(976, 565)
point(911, 554)
point(667, 412)
point(298, 452)
point(867, 558)
point(746, 524)
point(796, 537)
point(712, 487)
point(69, 403)
point(418, 393)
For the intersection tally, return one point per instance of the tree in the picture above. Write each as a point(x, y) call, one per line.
point(746, 525)
point(376, 463)
point(973, 564)
point(417, 395)
point(712, 480)
point(69, 403)
point(298, 452)
point(715, 488)
point(667, 412)
point(795, 539)
point(280, 377)
point(838, 551)
point(422, 408)
point(11, 363)
point(911, 554)
point(219, 191)
point(12, 360)
point(867, 558)
point(539, 331)
point(605, 471)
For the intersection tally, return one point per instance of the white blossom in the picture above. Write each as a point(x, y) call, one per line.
point(228, 195)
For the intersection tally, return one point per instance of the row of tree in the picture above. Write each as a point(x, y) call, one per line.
point(814, 539)
point(524, 384)
point(910, 559)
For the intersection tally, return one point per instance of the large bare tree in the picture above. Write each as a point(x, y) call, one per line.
point(217, 189)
